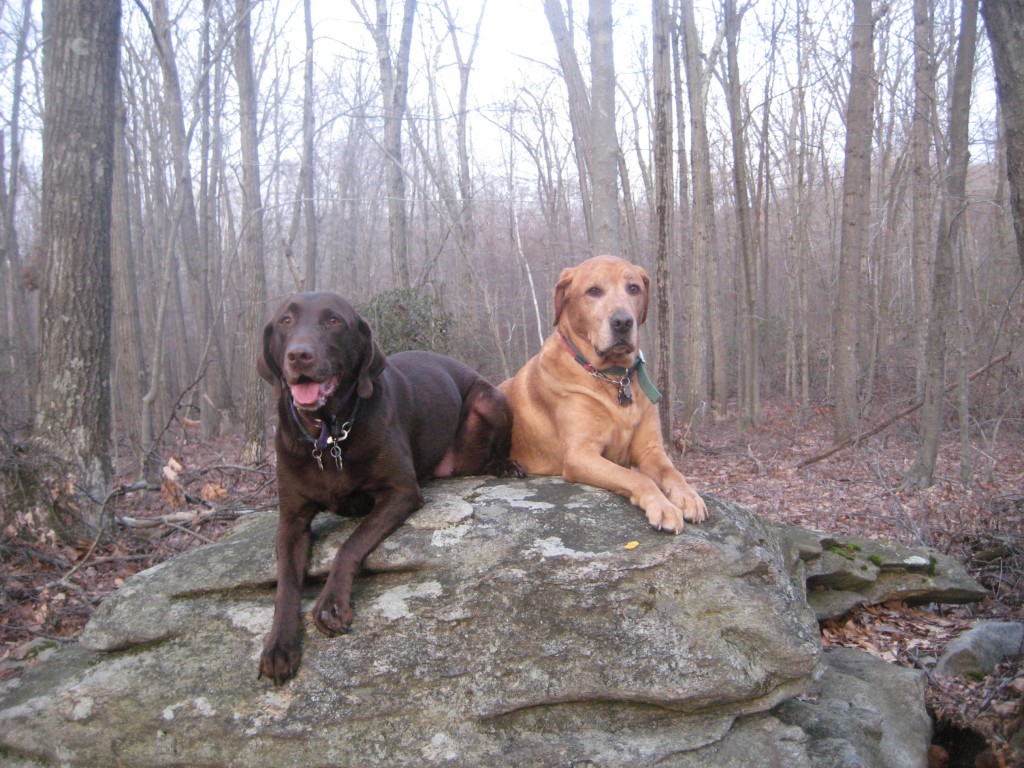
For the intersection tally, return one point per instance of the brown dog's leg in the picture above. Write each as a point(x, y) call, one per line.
point(333, 612)
point(484, 438)
point(280, 656)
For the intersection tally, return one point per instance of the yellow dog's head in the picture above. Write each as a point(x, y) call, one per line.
point(601, 303)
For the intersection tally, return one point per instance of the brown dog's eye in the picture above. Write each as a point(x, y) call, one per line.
point(595, 291)
point(285, 320)
point(332, 322)
point(633, 288)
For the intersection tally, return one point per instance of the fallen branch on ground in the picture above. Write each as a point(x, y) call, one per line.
point(905, 412)
point(176, 519)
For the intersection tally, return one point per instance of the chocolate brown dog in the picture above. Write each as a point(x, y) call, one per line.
point(357, 432)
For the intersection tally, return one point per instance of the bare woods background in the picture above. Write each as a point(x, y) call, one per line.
point(819, 191)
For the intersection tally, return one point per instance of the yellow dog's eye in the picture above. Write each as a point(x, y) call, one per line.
point(596, 291)
point(633, 288)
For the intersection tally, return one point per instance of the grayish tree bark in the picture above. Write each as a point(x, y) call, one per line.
point(855, 222)
point(254, 450)
point(1004, 20)
point(952, 213)
point(604, 161)
point(80, 77)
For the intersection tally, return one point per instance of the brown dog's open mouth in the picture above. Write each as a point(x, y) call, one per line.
point(311, 394)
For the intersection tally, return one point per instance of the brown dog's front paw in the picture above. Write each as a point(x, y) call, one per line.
point(332, 619)
point(506, 468)
point(279, 661)
point(665, 516)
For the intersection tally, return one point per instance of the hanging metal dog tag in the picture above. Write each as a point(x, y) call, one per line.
point(625, 391)
point(336, 453)
point(317, 453)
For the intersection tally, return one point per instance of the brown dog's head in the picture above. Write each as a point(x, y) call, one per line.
point(602, 303)
point(319, 348)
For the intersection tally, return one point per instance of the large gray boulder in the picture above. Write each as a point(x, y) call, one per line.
point(505, 624)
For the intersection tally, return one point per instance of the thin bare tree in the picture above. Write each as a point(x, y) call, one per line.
point(664, 209)
point(579, 105)
point(604, 165)
point(254, 449)
point(749, 383)
point(394, 80)
point(705, 337)
point(952, 224)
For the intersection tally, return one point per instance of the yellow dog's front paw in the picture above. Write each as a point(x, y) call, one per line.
point(689, 501)
point(665, 516)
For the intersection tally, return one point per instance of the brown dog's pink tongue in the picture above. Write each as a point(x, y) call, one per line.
point(306, 393)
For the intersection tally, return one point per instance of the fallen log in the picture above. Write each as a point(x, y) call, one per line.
point(892, 419)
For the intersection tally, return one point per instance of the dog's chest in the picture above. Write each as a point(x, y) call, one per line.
point(622, 425)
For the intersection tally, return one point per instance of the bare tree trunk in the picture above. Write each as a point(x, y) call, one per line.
point(16, 324)
point(129, 370)
point(212, 357)
point(702, 287)
point(921, 196)
point(254, 449)
point(1004, 21)
point(579, 106)
point(856, 210)
point(309, 179)
point(749, 386)
point(80, 79)
point(394, 78)
point(605, 158)
point(664, 209)
point(304, 200)
point(951, 223)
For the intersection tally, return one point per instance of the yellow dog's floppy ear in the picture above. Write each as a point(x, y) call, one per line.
point(564, 281)
point(373, 363)
point(647, 295)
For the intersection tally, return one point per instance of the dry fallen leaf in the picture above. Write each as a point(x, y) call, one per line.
point(633, 545)
point(213, 492)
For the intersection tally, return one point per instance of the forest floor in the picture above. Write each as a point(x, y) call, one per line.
point(50, 588)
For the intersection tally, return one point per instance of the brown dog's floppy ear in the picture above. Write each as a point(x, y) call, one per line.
point(647, 295)
point(266, 365)
point(373, 363)
point(564, 281)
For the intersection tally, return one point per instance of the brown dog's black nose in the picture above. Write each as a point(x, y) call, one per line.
point(300, 354)
point(622, 322)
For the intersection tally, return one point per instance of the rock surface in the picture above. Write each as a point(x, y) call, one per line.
point(863, 713)
point(844, 572)
point(978, 650)
point(505, 624)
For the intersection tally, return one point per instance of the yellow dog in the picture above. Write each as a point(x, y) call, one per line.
point(584, 408)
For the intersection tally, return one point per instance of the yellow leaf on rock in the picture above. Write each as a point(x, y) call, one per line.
point(633, 545)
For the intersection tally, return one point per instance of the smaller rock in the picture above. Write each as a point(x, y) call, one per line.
point(978, 650)
point(862, 713)
point(842, 573)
